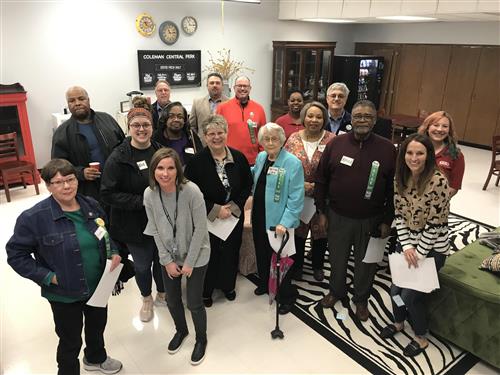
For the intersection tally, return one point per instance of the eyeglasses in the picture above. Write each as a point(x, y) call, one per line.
point(178, 116)
point(361, 117)
point(217, 134)
point(271, 139)
point(138, 126)
point(60, 183)
point(335, 96)
point(242, 86)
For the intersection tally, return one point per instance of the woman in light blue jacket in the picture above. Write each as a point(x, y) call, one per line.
point(278, 199)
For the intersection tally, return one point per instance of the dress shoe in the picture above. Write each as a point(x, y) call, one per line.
point(328, 301)
point(230, 295)
point(318, 275)
point(285, 308)
point(413, 349)
point(362, 312)
point(207, 301)
point(198, 352)
point(260, 291)
point(176, 342)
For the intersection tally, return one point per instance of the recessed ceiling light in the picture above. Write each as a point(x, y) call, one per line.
point(406, 18)
point(328, 20)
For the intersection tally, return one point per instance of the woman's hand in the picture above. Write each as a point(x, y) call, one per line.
point(115, 261)
point(411, 257)
point(323, 222)
point(280, 229)
point(224, 212)
point(187, 270)
point(309, 188)
point(173, 270)
point(54, 280)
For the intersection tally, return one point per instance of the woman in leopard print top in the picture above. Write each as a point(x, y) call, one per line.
point(422, 204)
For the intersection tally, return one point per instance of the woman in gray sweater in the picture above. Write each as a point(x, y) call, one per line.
point(177, 221)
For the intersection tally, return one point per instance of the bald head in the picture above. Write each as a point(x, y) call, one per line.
point(78, 103)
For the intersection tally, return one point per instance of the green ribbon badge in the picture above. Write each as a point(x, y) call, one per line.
point(279, 184)
point(372, 178)
point(100, 223)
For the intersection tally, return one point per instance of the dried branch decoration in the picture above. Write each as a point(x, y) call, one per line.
point(224, 65)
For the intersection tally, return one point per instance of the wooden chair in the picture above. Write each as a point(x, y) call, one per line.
point(495, 161)
point(11, 164)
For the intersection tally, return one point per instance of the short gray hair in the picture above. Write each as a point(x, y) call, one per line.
point(338, 86)
point(272, 127)
point(214, 121)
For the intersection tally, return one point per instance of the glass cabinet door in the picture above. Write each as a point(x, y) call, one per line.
point(325, 60)
point(308, 84)
point(278, 74)
point(293, 67)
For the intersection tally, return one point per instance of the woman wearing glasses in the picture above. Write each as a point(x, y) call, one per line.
point(124, 179)
point(62, 244)
point(174, 131)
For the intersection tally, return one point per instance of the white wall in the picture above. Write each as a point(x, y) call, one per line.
point(49, 46)
point(430, 32)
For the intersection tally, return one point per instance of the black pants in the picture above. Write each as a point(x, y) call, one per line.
point(318, 249)
point(68, 319)
point(343, 234)
point(223, 265)
point(194, 290)
point(263, 253)
point(414, 308)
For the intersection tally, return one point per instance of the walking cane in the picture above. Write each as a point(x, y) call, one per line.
point(277, 332)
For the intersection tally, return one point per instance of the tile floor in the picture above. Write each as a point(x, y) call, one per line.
point(238, 332)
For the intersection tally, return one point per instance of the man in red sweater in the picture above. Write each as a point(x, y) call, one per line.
point(244, 118)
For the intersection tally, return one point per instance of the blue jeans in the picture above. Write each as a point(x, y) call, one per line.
point(145, 255)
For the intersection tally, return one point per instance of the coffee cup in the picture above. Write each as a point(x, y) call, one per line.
point(95, 165)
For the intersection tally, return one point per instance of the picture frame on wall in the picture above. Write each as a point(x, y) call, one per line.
point(125, 106)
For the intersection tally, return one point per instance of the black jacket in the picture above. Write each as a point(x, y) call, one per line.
point(122, 188)
point(194, 141)
point(201, 170)
point(68, 143)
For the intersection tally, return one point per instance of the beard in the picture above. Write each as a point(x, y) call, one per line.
point(81, 114)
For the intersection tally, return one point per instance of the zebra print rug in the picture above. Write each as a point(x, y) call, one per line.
point(360, 340)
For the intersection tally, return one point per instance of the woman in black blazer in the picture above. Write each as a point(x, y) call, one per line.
point(223, 176)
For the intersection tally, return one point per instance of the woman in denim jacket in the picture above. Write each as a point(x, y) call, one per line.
point(62, 244)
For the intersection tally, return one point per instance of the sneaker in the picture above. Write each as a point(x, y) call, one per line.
point(175, 344)
point(146, 313)
point(198, 352)
point(109, 366)
point(161, 299)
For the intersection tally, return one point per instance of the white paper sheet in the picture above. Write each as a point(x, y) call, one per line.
point(222, 228)
point(308, 211)
point(105, 286)
point(375, 250)
point(424, 278)
point(275, 242)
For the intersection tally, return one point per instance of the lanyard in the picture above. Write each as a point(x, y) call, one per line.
point(174, 223)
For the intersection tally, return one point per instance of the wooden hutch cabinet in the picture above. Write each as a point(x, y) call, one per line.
point(306, 66)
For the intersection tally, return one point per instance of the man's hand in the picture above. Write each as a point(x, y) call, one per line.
point(90, 174)
point(323, 222)
point(54, 280)
point(384, 229)
point(115, 261)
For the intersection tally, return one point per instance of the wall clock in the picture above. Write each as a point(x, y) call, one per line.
point(169, 32)
point(144, 24)
point(189, 25)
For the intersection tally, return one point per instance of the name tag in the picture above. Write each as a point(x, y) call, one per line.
point(321, 148)
point(189, 150)
point(142, 164)
point(99, 233)
point(346, 160)
point(273, 171)
point(341, 132)
point(444, 164)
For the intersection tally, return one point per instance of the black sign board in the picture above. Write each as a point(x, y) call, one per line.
point(178, 68)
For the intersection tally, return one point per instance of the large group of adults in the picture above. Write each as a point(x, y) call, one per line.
point(154, 192)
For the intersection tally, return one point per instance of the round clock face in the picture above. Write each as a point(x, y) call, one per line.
point(189, 25)
point(144, 24)
point(169, 32)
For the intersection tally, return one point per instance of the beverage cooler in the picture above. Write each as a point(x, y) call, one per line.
point(362, 75)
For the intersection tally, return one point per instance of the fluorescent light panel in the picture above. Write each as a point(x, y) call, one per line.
point(328, 20)
point(406, 18)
